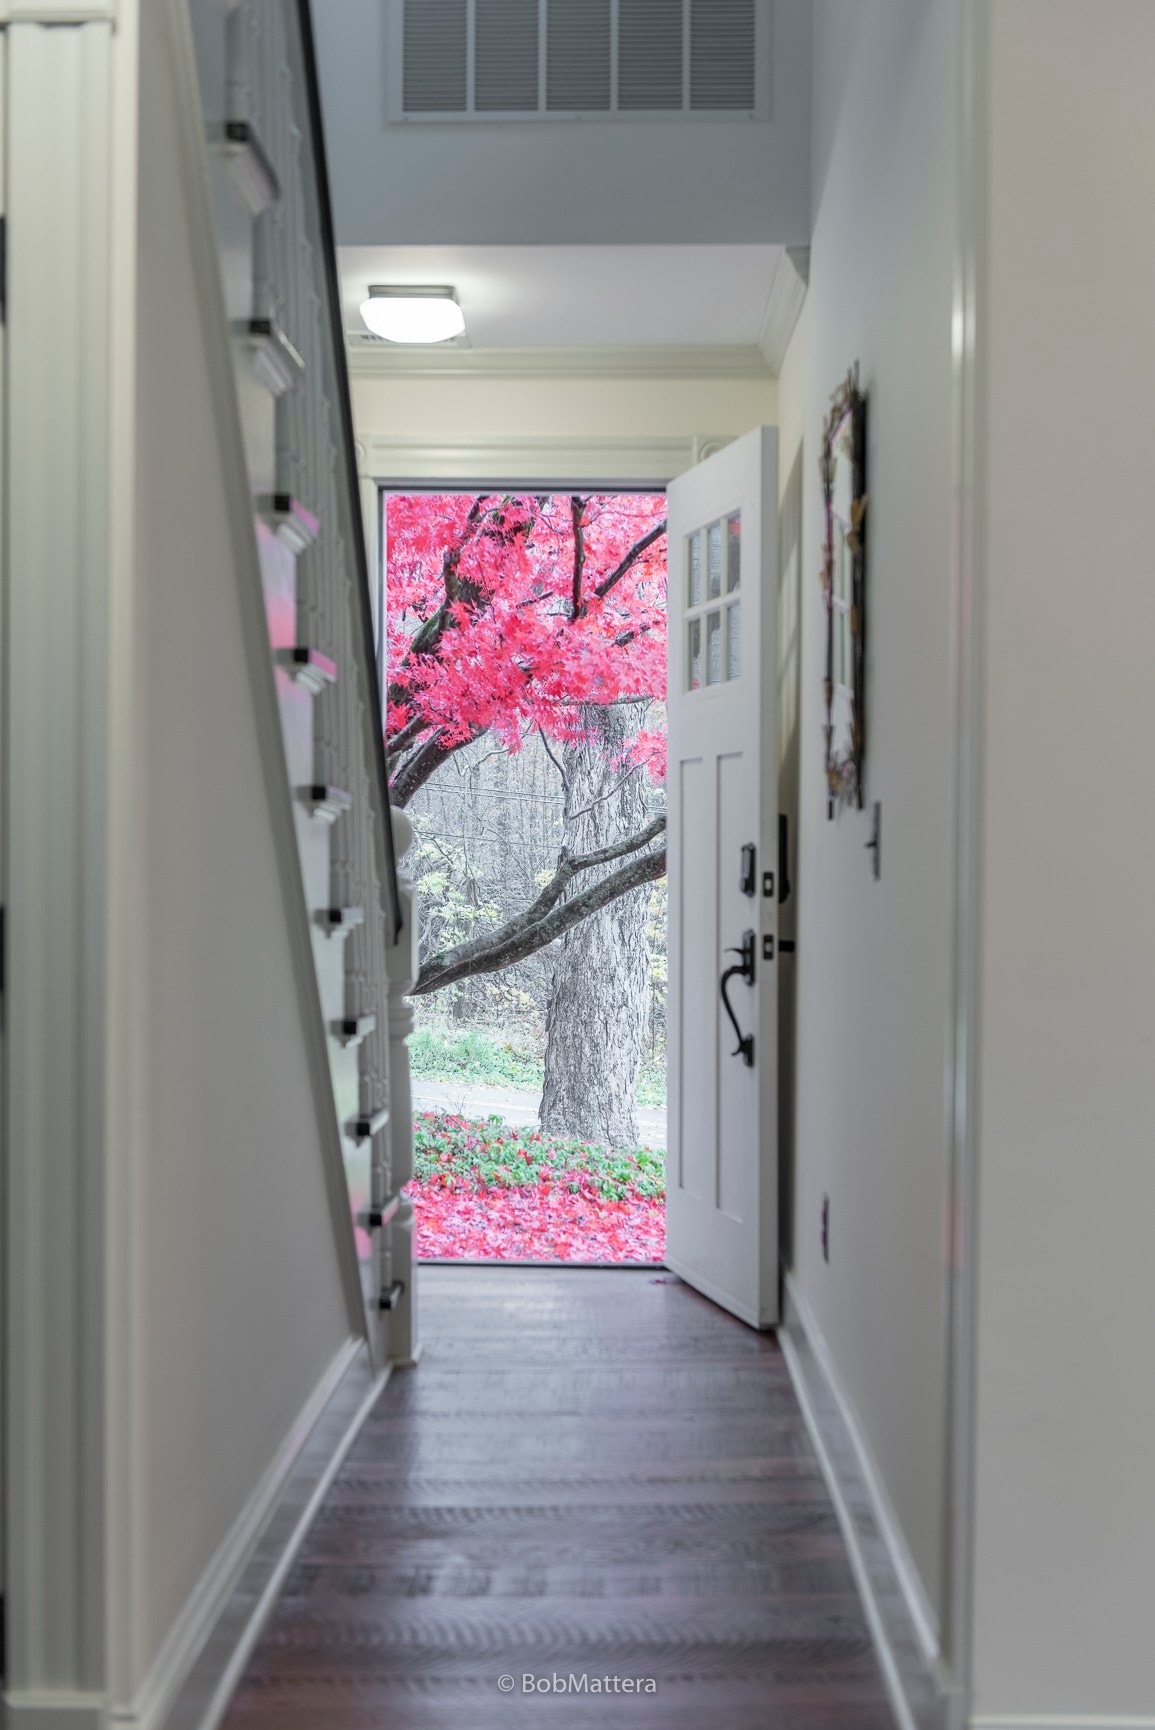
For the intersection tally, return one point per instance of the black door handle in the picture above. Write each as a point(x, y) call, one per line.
point(743, 968)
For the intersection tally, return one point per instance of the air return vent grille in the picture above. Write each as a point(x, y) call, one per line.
point(553, 59)
point(505, 55)
point(578, 59)
point(435, 64)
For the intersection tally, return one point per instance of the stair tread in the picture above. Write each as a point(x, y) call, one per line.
point(249, 165)
point(365, 1126)
point(274, 359)
point(325, 801)
point(352, 1029)
point(341, 919)
point(309, 668)
point(294, 523)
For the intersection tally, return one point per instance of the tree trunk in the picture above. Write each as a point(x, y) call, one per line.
point(595, 1026)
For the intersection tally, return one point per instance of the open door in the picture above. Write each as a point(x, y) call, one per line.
point(722, 1176)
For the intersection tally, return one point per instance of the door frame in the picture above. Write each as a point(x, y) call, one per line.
point(488, 465)
point(3, 819)
point(69, 389)
point(968, 606)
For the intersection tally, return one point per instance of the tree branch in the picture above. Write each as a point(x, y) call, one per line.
point(420, 764)
point(630, 560)
point(551, 756)
point(545, 921)
point(404, 736)
point(577, 507)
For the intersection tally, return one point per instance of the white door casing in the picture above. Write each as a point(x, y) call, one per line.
point(3, 783)
point(722, 1178)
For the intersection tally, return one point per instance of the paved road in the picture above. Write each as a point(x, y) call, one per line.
point(517, 1105)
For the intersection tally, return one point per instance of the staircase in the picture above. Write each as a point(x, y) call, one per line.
point(268, 184)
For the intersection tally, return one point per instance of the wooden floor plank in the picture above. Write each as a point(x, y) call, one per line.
point(591, 1473)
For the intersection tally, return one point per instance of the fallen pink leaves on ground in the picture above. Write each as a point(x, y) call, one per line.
point(550, 1201)
point(536, 1225)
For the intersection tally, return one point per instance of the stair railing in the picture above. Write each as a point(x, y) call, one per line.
point(271, 135)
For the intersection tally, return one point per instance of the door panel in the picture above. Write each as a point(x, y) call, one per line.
point(722, 1165)
point(697, 947)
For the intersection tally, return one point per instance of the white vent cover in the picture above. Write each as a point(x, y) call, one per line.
point(555, 59)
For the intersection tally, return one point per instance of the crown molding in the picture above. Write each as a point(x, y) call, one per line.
point(58, 11)
point(371, 357)
point(398, 462)
point(787, 296)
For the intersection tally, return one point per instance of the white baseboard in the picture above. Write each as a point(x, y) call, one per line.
point(194, 1673)
point(901, 1619)
point(44, 1711)
point(1047, 1721)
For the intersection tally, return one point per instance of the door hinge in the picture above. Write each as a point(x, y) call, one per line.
point(3, 1637)
point(3, 270)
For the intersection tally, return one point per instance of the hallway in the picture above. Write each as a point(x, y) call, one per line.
point(596, 1472)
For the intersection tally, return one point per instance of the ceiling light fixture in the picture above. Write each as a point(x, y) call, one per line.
point(413, 314)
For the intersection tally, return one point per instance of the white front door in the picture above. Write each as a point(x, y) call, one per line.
point(722, 1168)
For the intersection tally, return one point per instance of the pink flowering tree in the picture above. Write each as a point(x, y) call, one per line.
point(545, 613)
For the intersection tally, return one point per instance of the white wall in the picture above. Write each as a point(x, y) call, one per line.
point(873, 959)
point(1065, 1557)
point(559, 182)
point(239, 1304)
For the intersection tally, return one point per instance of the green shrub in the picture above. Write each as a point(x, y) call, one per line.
point(469, 1154)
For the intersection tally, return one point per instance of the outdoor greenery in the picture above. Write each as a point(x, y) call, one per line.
point(473, 1054)
point(482, 1056)
point(461, 1153)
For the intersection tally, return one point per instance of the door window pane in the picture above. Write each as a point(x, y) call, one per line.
point(713, 648)
point(694, 656)
point(694, 566)
point(734, 640)
point(714, 561)
point(733, 553)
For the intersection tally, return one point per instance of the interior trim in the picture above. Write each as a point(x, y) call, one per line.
point(1062, 1723)
point(372, 357)
point(967, 577)
point(901, 1619)
point(398, 462)
point(47, 1711)
point(202, 1660)
point(784, 307)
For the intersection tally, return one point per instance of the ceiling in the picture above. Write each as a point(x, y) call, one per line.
point(581, 296)
point(659, 179)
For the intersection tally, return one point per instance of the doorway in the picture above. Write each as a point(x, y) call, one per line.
point(525, 725)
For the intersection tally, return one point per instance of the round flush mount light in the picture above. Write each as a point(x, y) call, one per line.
point(413, 314)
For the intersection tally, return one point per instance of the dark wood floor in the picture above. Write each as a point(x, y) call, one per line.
point(594, 1472)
